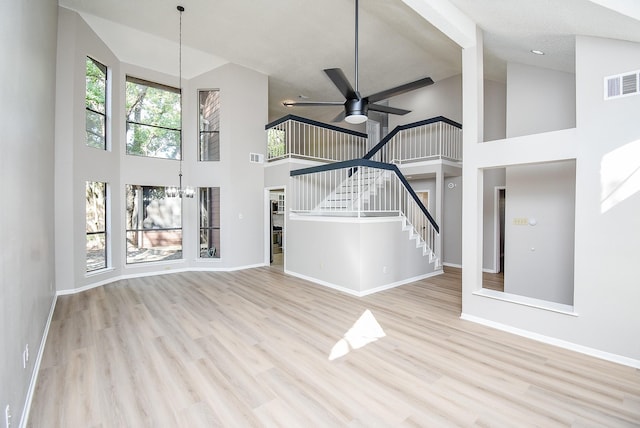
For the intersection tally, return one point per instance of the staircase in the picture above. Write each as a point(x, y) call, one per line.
point(357, 194)
point(420, 242)
point(364, 188)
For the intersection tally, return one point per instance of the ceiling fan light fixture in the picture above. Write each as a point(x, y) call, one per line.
point(356, 118)
point(355, 110)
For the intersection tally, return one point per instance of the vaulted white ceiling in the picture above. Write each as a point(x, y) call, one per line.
point(292, 41)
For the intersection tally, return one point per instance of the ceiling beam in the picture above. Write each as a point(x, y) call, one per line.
point(629, 8)
point(448, 19)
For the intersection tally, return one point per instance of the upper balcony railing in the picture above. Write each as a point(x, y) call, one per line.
point(297, 137)
point(430, 139)
point(435, 138)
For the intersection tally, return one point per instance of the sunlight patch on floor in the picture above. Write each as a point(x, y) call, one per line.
point(364, 331)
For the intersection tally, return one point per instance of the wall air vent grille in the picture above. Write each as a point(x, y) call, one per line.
point(622, 85)
point(256, 158)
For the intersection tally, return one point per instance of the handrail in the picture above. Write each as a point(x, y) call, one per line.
point(314, 123)
point(371, 164)
point(399, 128)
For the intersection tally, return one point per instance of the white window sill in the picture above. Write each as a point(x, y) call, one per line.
point(527, 301)
point(98, 272)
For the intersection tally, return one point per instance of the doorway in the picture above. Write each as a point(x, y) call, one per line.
point(493, 274)
point(423, 195)
point(276, 209)
point(500, 227)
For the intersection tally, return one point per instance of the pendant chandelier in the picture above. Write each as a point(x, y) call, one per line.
point(187, 191)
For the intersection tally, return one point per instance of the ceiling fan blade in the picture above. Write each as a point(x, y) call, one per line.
point(387, 109)
point(412, 86)
point(339, 117)
point(339, 79)
point(311, 103)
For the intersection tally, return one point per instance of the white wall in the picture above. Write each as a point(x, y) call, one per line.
point(607, 244)
point(606, 319)
point(243, 95)
point(452, 221)
point(539, 257)
point(443, 98)
point(539, 100)
point(75, 163)
point(243, 115)
point(27, 107)
point(495, 110)
point(357, 256)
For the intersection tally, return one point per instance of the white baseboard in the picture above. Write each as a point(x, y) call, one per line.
point(453, 265)
point(365, 292)
point(402, 282)
point(619, 359)
point(154, 273)
point(36, 367)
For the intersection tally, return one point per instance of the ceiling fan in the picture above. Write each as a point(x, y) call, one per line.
point(356, 106)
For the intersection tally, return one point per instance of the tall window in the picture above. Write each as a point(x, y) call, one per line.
point(96, 225)
point(210, 222)
point(209, 128)
point(153, 119)
point(154, 225)
point(96, 104)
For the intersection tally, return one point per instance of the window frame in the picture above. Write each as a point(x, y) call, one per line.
point(202, 132)
point(129, 261)
point(213, 215)
point(105, 70)
point(105, 231)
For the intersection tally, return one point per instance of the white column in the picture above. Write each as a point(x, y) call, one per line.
point(472, 120)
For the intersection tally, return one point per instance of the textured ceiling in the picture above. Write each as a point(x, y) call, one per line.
point(293, 40)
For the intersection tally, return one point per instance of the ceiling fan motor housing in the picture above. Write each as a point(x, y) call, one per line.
point(356, 106)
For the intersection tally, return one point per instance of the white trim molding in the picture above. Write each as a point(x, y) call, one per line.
point(619, 359)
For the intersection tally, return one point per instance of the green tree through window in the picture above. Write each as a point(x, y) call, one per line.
point(96, 104)
point(153, 119)
point(96, 225)
point(209, 222)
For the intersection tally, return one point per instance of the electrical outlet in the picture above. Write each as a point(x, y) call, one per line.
point(7, 417)
point(26, 350)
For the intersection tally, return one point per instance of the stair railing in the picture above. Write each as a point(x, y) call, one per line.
point(297, 137)
point(361, 188)
point(435, 138)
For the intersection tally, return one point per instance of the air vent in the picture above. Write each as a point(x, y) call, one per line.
point(256, 158)
point(629, 84)
point(622, 85)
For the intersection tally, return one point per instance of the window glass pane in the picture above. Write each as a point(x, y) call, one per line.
point(153, 119)
point(95, 130)
point(209, 222)
point(154, 225)
point(96, 225)
point(276, 139)
point(209, 128)
point(96, 104)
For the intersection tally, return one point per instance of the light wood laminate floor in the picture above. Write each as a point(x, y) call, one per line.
point(252, 348)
